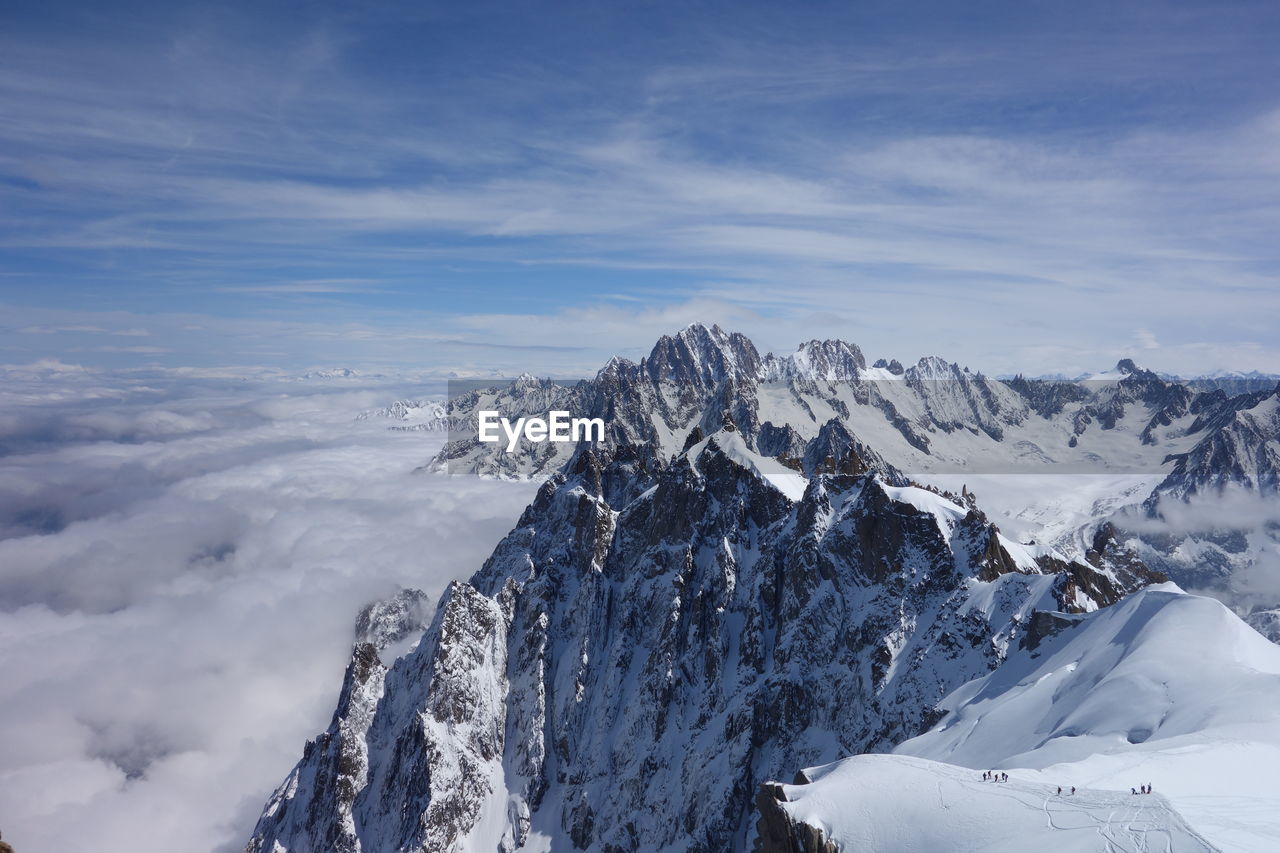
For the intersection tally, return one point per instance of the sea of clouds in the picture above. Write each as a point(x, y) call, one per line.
point(182, 558)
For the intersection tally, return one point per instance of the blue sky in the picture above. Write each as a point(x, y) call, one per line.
point(1023, 185)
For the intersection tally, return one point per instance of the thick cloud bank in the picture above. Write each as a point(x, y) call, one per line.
point(179, 575)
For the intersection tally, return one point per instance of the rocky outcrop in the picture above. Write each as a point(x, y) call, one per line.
point(835, 451)
point(778, 832)
point(335, 766)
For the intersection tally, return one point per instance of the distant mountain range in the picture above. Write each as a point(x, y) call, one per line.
point(928, 420)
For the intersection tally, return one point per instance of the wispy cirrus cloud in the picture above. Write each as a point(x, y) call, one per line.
point(91, 330)
point(962, 179)
point(319, 285)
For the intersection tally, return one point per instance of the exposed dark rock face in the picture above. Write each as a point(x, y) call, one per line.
point(836, 451)
point(893, 366)
point(1048, 398)
point(1044, 624)
point(334, 766)
point(780, 442)
point(777, 832)
point(1241, 447)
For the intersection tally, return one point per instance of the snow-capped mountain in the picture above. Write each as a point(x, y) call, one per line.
point(1231, 382)
point(1164, 688)
point(1214, 520)
point(704, 378)
point(331, 373)
point(928, 421)
point(1239, 447)
point(748, 576)
point(522, 397)
point(928, 418)
point(647, 646)
point(411, 416)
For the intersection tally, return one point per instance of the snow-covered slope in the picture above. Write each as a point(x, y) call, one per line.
point(1162, 689)
point(900, 804)
point(1155, 666)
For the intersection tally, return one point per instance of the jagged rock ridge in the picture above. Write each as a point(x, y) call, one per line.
point(821, 409)
point(335, 766)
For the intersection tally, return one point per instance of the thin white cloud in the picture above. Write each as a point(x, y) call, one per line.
point(924, 187)
point(320, 285)
point(57, 330)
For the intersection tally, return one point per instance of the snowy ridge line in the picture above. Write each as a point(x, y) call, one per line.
point(1162, 687)
point(416, 415)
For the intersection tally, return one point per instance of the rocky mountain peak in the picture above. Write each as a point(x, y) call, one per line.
point(1128, 367)
point(932, 368)
point(386, 622)
point(892, 365)
point(832, 360)
point(737, 583)
point(703, 356)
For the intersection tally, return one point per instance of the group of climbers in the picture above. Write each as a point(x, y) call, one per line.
point(993, 776)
